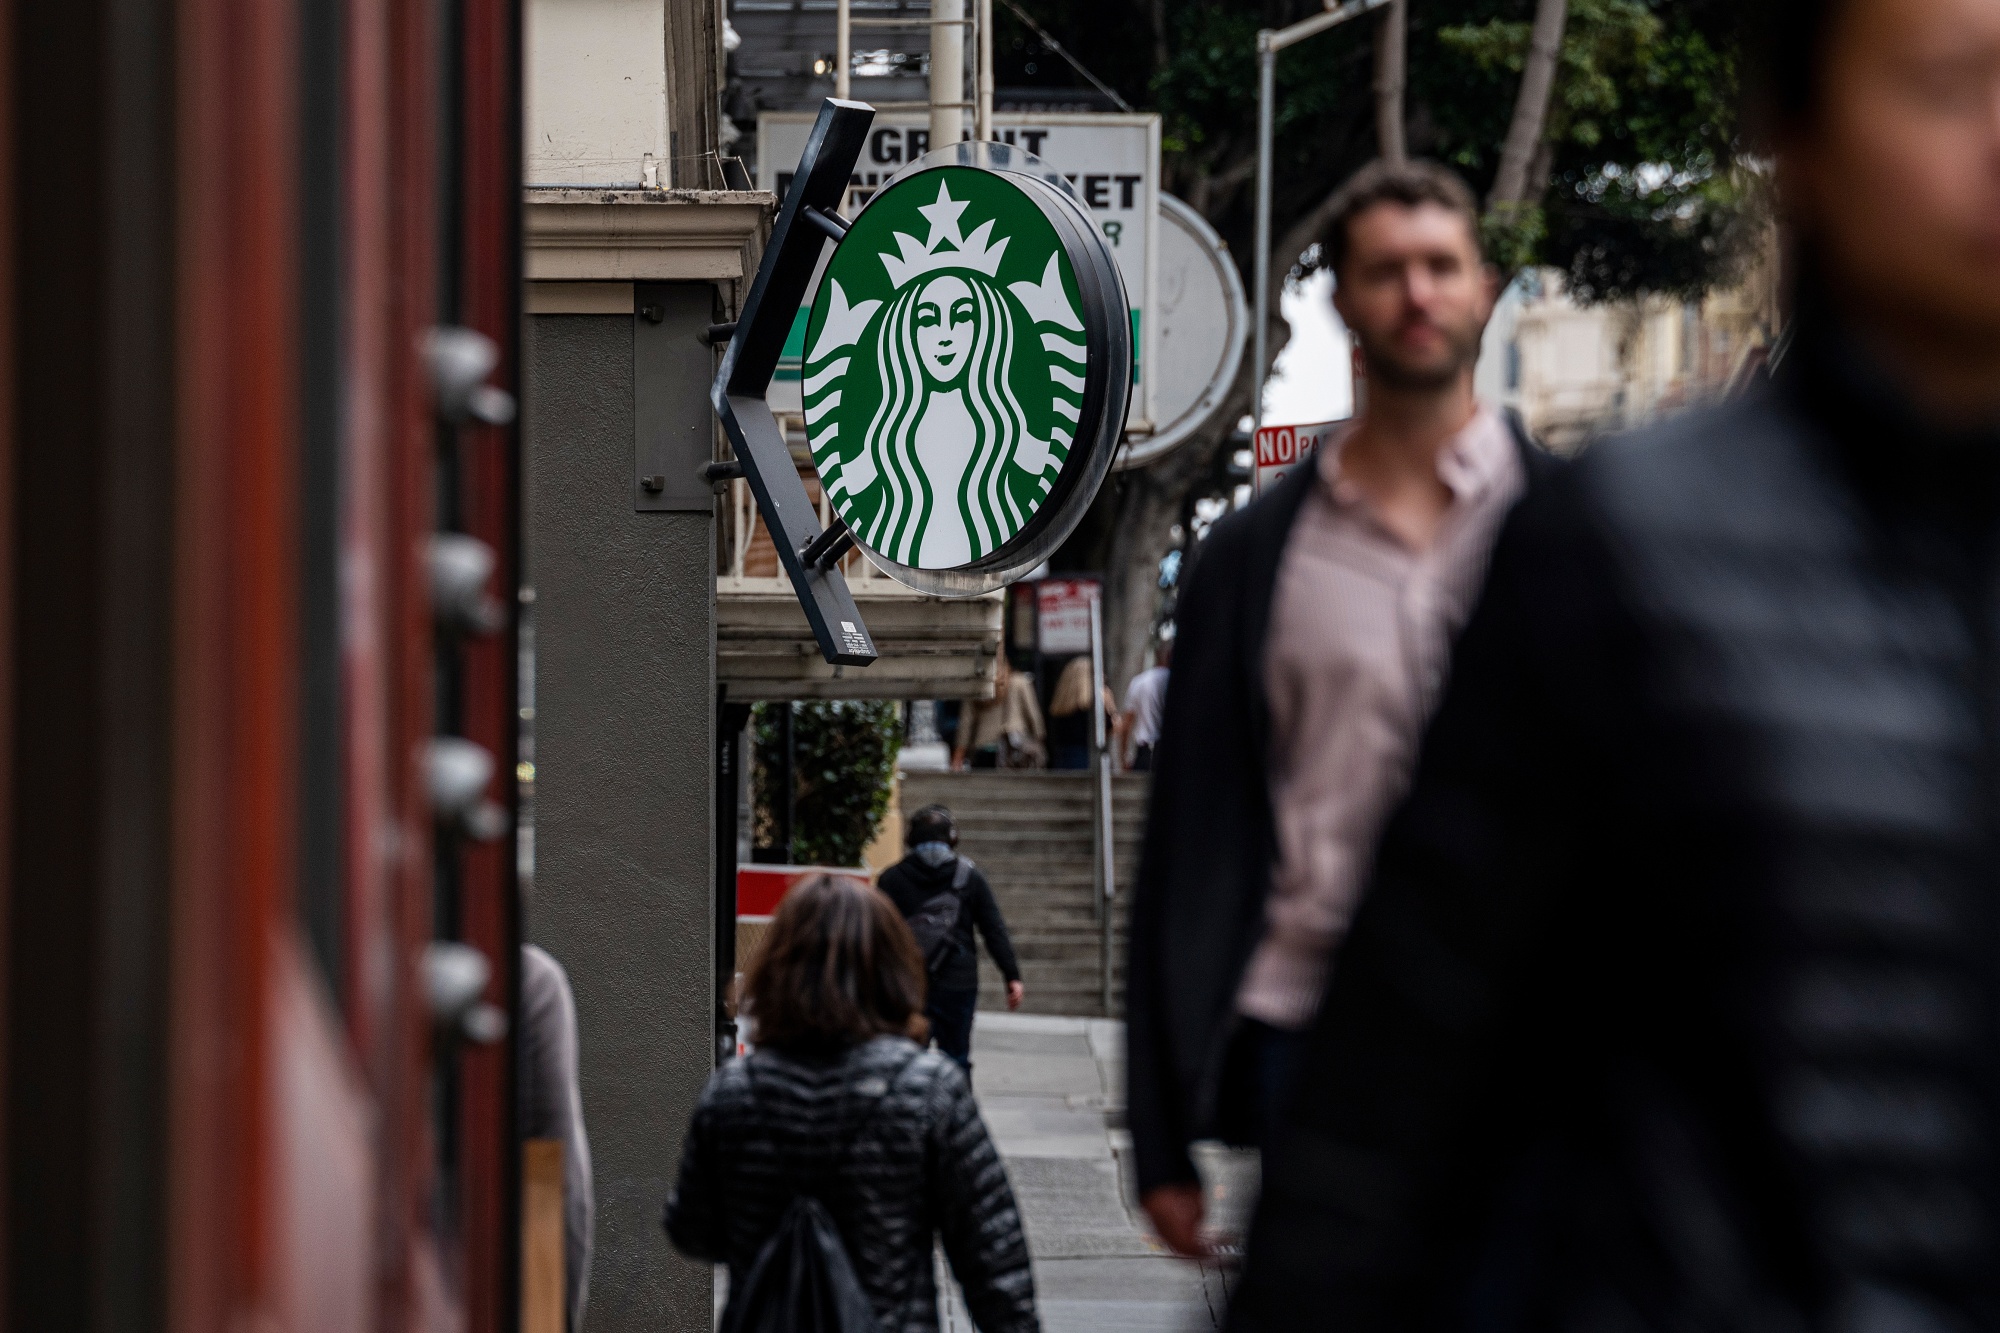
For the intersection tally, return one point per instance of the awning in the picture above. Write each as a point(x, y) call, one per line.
point(929, 647)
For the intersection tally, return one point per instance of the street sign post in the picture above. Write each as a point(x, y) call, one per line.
point(1270, 41)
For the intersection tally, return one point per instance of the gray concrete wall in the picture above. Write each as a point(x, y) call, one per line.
point(624, 714)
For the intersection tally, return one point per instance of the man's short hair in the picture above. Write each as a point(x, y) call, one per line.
point(933, 823)
point(1405, 183)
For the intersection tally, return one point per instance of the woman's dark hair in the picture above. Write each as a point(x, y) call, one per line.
point(1784, 56)
point(933, 823)
point(837, 967)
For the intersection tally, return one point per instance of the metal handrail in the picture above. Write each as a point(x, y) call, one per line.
point(1107, 842)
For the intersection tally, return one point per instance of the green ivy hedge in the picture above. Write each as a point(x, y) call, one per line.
point(843, 764)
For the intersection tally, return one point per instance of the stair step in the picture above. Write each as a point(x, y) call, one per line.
point(1033, 834)
point(1029, 919)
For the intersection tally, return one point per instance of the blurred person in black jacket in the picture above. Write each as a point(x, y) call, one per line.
point(918, 885)
point(1673, 1003)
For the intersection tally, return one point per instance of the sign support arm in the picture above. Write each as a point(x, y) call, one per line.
point(744, 380)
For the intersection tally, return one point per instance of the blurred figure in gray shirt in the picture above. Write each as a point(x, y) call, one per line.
point(552, 1108)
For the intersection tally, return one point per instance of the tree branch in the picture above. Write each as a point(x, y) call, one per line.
point(1391, 47)
point(1531, 106)
point(1221, 184)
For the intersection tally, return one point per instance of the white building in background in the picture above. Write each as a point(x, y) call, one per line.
point(1313, 377)
point(1573, 371)
point(597, 94)
point(1577, 371)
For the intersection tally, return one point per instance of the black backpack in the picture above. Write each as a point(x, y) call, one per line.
point(802, 1280)
point(934, 922)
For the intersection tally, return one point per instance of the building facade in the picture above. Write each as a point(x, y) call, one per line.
point(1576, 371)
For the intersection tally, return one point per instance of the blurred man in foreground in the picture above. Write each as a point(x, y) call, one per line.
point(1673, 1004)
point(1313, 635)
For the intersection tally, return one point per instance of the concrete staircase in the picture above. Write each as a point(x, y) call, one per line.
point(1032, 835)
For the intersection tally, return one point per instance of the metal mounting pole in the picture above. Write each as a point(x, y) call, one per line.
point(948, 102)
point(843, 48)
point(982, 122)
point(731, 718)
point(1106, 844)
point(788, 779)
point(1267, 63)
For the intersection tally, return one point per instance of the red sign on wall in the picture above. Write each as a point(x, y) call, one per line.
point(760, 888)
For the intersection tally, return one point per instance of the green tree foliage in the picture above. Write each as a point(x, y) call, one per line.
point(843, 760)
point(1641, 191)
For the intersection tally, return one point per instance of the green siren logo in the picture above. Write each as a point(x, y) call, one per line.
point(945, 375)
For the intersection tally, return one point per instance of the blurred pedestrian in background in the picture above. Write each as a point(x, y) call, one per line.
point(551, 1107)
point(1675, 1003)
point(947, 713)
point(1072, 728)
point(838, 1104)
point(1313, 637)
point(1005, 731)
point(944, 896)
point(1144, 699)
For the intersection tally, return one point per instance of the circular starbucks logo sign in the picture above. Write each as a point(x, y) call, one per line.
point(949, 367)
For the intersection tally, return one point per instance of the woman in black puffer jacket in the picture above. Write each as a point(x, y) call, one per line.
point(838, 1101)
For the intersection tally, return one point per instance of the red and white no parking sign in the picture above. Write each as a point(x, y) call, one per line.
point(1282, 448)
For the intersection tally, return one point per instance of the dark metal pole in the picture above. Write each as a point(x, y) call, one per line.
point(1267, 64)
point(807, 220)
point(730, 720)
point(1106, 838)
point(787, 782)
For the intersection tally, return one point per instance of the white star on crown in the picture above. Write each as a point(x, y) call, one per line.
point(920, 257)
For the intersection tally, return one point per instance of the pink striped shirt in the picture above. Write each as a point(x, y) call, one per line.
point(1360, 639)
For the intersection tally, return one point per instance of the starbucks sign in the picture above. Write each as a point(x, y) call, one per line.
point(967, 364)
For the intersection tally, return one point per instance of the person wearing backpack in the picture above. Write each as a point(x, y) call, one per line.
point(943, 897)
point(822, 1168)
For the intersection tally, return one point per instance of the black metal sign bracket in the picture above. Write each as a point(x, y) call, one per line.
point(807, 220)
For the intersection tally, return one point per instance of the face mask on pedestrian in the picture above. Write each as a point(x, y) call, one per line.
point(932, 853)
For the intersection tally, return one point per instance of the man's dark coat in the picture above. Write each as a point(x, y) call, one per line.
point(1204, 869)
point(1674, 1002)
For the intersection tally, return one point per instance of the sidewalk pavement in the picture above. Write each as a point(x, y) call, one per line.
point(1052, 1091)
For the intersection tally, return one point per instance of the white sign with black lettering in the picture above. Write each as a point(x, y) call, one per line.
point(1112, 161)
